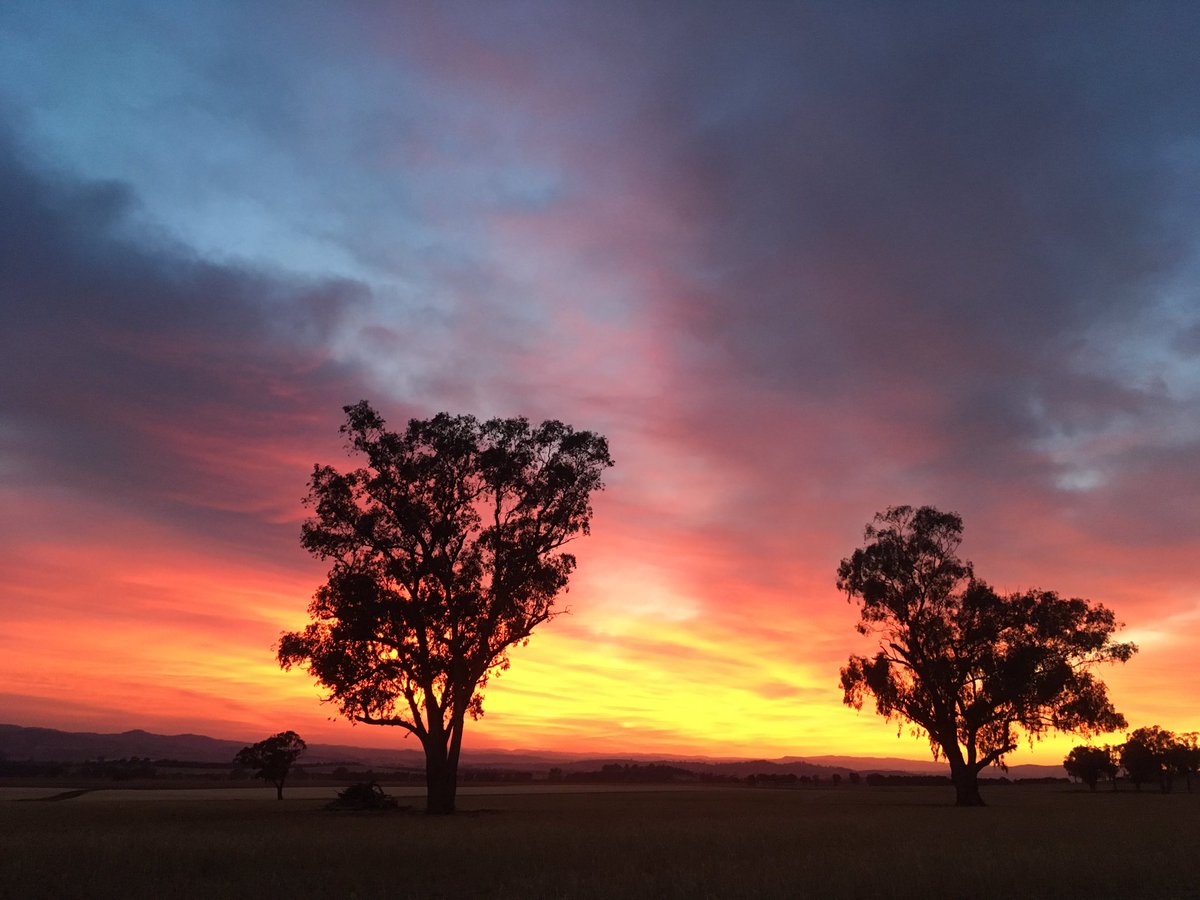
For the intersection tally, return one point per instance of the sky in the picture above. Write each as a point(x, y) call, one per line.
point(798, 262)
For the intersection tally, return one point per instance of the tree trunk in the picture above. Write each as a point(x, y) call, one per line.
point(279, 790)
point(966, 786)
point(441, 783)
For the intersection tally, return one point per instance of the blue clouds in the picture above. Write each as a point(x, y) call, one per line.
point(139, 375)
point(973, 205)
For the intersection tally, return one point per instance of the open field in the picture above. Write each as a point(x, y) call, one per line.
point(1043, 841)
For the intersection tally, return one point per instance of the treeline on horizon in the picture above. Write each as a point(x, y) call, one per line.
point(131, 769)
point(1150, 756)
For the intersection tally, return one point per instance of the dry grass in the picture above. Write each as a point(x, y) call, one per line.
point(1032, 841)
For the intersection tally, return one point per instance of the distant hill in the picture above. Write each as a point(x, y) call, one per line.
point(49, 745)
point(887, 765)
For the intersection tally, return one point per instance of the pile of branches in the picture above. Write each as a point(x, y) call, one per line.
point(365, 795)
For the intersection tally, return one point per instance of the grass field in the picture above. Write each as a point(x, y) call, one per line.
point(1043, 841)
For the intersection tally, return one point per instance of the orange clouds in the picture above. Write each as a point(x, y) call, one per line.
point(661, 652)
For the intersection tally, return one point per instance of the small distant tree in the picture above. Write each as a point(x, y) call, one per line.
point(446, 549)
point(273, 758)
point(970, 669)
point(1090, 764)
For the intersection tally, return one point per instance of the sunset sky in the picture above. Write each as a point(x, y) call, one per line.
point(798, 262)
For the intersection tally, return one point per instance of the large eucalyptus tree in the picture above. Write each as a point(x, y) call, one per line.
point(971, 669)
point(445, 550)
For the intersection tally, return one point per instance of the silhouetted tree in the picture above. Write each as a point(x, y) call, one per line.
point(1139, 762)
point(272, 758)
point(1150, 754)
point(969, 668)
point(1090, 764)
point(445, 552)
point(1184, 756)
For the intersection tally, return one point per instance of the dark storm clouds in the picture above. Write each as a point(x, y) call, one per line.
point(133, 372)
point(971, 225)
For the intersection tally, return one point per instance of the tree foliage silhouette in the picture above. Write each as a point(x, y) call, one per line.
point(273, 758)
point(1184, 757)
point(1154, 754)
point(446, 550)
point(1090, 764)
point(970, 669)
point(1142, 756)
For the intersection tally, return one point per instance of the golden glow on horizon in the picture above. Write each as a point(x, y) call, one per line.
point(645, 662)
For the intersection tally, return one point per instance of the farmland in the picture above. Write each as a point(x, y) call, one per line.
point(1047, 840)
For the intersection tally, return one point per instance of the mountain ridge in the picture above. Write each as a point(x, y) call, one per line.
point(36, 744)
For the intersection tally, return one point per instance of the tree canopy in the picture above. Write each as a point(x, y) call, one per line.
point(1183, 756)
point(273, 758)
point(1153, 753)
point(1090, 764)
point(445, 551)
point(971, 669)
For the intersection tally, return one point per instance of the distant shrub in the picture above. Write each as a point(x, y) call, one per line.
point(1042, 779)
point(878, 779)
point(31, 769)
point(654, 773)
point(362, 796)
point(495, 775)
point(118, 769)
